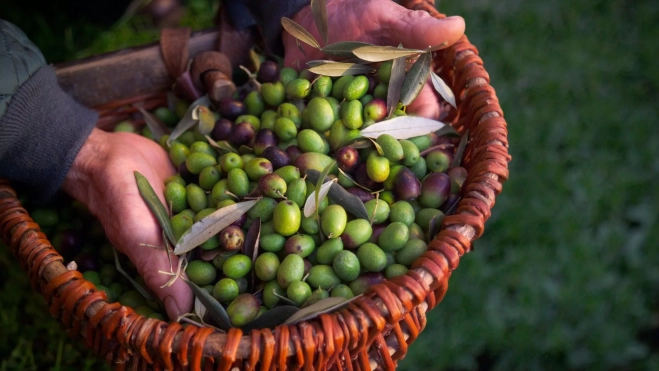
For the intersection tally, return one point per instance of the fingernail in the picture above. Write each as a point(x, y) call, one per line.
point(172, 309)
point(453, 18)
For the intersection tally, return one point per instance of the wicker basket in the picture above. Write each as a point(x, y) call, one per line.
point(372, 332)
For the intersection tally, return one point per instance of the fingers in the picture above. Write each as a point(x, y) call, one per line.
point(418, 29)
point(425, 104)
point(154, 267)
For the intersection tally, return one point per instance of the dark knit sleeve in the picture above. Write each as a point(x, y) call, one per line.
point(41, 133)
point(267, 14)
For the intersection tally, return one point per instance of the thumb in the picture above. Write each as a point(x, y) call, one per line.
point(177, 298)
point(418, 30)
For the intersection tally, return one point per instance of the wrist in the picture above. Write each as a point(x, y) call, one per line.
point(78, 182)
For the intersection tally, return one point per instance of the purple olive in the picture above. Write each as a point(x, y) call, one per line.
point(222, 129)
point(242, 133)
point(458, 175)
point(187, 175)
point(231, 109)
point(268, 72)
point(406, 186)
point(347, 159)
point(87, 262)
point(435, 189)
point(293, 152)
point(362, 194)
point(362, 178)
point(70, 242)
point(277, 156)
point(377, 231)
point(448, 204)
point(264, 139)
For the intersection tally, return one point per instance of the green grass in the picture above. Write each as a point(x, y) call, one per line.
point(565, 275)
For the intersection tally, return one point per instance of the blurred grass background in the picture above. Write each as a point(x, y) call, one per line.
point(565, 276)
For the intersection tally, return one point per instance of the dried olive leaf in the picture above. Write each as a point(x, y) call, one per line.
point(155, 205)
point(157, 127)
point(310, 205)
point(206, 119)
point(210, 225)
point(439, 146)
point(359, 143)
point(199, 309)
point(318, 308)
point(255, 58)
point(403, 127)
point(130, 279)
point(374, 53)
point(299, 32)
point(271, 318)
point(415, 79)
point(341, 196)
point(437, 47)
point(319, 10)
point(395, 84)
point(377, 146)
point(343, 48)
point(457, 157)
point(341, 69)
point(222, 145)
point(251, 246)
point(244, 150)
point(443, 89)
point(187, 121)
point(216, 311)
point(353, 181)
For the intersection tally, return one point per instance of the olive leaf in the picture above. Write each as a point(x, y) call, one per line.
point(351, 203)
point(206, 119)
point(299, 32)
point(360, 143)
point(255, 58)
point(415, 79)
point(403, 127)
point(434, 225)
point(210, 225)
point(315, 198)
point(395, 84)
point(377, 146)
point(130, 279)
point(436, 47)
point(187, 121)
point(271, 318)
point(343, 48)
point(320, 62)
point(457, 157)
point(155, 205)
point(157, 127)
point(439, 146)
point(353, 181)
point(341, 69)
point(222, 145)
point(374, 53)
point(451, 209)
point(251, 246)
point(318, 308)
point(443, 89)
point(447, 130)
point(319, 11)
point(199, 309)
point(213, 308)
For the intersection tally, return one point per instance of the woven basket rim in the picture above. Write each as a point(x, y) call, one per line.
point(396, 307)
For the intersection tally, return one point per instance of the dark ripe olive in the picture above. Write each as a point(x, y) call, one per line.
point(70, 242)
point(231, 109)
point(377, 231)
point(444, 139)
point(406, 186)
point(372, 83)
point(265, 138)
point(307, 266)
point(240, 222)
point(293, 152)
point(268, 72)
point(242, 133)
point(362, 178)
point(232, 238)
point(361, 193)
point(277, 156)
point(347, 159)
point(450, 201)
point(222, 129)
point(435, 189)
point(86, 262)
point(186, 174)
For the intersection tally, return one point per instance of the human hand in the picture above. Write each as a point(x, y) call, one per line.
point(380, 22)
point(102, 178)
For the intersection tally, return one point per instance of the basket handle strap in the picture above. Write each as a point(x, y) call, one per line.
point(174, 50)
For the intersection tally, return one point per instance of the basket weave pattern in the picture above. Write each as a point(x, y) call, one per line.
point(372, 332)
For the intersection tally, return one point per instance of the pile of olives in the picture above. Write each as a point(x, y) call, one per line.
point(272, 134)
